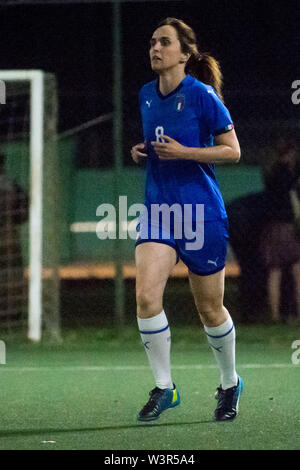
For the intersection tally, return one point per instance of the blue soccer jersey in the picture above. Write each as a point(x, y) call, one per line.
point(193, 115)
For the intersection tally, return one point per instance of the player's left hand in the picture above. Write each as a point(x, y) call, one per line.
point(170, 149)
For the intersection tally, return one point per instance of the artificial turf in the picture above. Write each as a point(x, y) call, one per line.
point(85, 393)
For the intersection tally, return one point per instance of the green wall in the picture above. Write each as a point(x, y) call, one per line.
point(239, 180)
point(93, 188)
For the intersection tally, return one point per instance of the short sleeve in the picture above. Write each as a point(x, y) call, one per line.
point(214, 113)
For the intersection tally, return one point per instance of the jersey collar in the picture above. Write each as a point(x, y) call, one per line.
point(183, 82)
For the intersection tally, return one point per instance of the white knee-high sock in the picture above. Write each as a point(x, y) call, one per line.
point(222, 341)
point(156, 337)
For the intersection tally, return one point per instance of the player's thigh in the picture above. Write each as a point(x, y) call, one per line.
point(208, 292)
point(154, 263)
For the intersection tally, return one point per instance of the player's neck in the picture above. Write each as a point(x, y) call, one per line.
point(168, 81)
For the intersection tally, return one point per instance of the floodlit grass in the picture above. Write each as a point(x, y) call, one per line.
point(86, 392)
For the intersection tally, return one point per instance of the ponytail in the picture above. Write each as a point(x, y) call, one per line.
point(206, 68)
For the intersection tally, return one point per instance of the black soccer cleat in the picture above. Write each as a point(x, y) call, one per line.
point(228, 401)
point(160, 400)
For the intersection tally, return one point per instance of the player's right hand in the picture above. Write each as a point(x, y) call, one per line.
point(138, 152)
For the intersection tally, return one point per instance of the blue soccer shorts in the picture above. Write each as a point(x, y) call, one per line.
point(204, 254)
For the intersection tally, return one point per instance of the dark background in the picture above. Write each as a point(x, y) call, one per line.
point(256, 42)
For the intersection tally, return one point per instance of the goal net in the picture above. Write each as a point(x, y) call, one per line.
point(29, 202)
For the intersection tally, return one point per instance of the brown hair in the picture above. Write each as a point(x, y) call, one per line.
point(200, 65)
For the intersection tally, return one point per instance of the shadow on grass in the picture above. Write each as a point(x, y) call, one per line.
point(32, 432)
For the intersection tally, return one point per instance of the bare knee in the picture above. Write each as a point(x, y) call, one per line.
point(148, 305)
point(212, 314)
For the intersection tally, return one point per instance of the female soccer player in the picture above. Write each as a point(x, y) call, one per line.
point(186, 129)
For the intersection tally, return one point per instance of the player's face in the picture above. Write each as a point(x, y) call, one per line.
point(165, 49)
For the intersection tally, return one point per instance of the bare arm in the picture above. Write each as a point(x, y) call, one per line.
point(227, 149)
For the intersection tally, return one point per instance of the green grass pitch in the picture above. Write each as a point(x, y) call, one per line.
point(86, 393)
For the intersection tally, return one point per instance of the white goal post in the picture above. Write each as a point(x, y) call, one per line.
point(36, 243)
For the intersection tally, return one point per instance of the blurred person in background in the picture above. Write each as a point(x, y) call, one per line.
point(280, 238)
point(186, 129)
point(247, 217)
point(14, 211)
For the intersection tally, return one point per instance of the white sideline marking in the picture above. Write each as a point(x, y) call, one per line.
point(136, 367)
